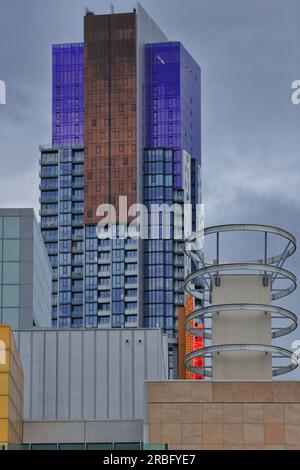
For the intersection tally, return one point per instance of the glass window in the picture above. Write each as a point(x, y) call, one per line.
point(10, 296)
point(11, 273)
point(91, 295)
point(18, 447)
point(91, 269)
point(11, 227)
point(65, 271)
point(43, 447)
point(131, 318)
point(127, 446)
point(10, 316)
point(100, 446)
point(71, 447)
point(155, 446)
point(11, 250)
point(91, 309)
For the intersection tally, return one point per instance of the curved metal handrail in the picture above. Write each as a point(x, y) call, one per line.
point(270, 268)
point(217, 268)
point(195, 256)
point(219, 348)
point(200, 314)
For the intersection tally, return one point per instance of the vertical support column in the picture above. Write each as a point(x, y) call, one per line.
point(241, 327)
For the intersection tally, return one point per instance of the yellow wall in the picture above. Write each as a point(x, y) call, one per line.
point(11, 389)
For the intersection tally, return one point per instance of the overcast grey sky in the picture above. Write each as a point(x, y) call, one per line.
point(249, 53)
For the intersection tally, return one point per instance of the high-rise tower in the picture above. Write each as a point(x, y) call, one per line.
point(126, 122)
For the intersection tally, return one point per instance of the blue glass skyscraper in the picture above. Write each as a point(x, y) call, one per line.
point(67, 94)
point(172, 170)
point(173, 81)
point(125, 121)
point(62, 194)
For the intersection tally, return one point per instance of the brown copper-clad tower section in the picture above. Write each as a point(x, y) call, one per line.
point(110, 111)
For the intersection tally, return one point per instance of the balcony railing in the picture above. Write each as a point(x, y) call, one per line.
point(77, 236)
point(77, 210)
point(44, 199)
point(77, 275)
point(45, 224)
point(46, 186)
point(45, 212)
point(49, 159)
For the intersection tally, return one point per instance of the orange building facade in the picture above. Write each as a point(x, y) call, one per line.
point(187, 342)
point(110, 167)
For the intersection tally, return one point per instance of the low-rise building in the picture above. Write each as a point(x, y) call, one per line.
point(88, 386)
point(25, 271)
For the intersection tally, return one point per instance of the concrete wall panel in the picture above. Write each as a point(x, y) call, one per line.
point(73, 375)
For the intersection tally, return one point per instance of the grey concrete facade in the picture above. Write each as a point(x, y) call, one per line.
point(88, 382)
point(242, 327)
point(45, 432)
point(25, 277)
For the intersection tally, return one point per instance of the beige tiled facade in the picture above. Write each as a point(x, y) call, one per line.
point(224, 415)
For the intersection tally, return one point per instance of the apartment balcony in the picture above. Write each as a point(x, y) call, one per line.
point(78, 210)
point(104, 287)
point(77, 262)
point(179, 299)
point(77, 198)
point(77, 184)
point(77, 250)
point(52, 251)
point(104, 248)
point(131, 259)
point(78, 158)
point(178, 247)
point(104, 260)
point(178, 196)
point(178, 287)
point(77, 275)
point(89, 297)
point(131, 244)
point(77, 301)
point(77, 222)
point(48, 224)
point(179, 274)
point(45, 212)
point(129, 285)
point(131, 298)
point(78, 237)
point(44, 199)
point(76, 172)
point(48, 239)
point(178, 262)
point(49, 174)
point(105, 313)
point(105, 273)
point(131, 272)
point(46, 186)
point(103, 300)
point(77, 288)
point(131, 311)
point(49, 159)
point(131, 324)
